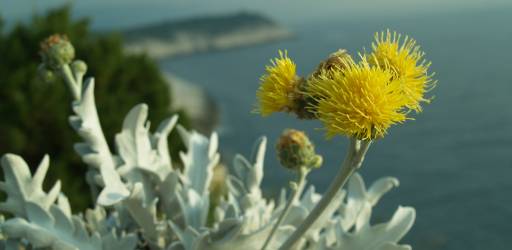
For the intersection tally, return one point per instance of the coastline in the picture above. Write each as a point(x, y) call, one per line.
point(190, 43)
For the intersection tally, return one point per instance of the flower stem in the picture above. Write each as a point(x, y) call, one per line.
point(297, 190)
point(352, 162)
point(70, 80)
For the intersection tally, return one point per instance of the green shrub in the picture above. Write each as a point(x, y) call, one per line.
point(34, 113)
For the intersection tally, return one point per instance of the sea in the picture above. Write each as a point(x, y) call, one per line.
point(454, 160)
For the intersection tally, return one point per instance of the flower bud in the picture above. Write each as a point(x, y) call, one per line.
point(336, 60)
point(45, 74)
point(79, 67)
point(57, 51)
point(296, 151)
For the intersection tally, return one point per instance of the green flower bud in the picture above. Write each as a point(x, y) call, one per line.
point(45, 74)
point(295, 150)
point(79, 67)
point(56, 51)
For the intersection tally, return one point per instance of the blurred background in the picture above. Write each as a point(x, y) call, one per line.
point(203, 59)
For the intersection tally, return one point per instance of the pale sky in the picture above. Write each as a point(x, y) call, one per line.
point(114, 13)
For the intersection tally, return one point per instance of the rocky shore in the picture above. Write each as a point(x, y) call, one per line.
point(175, 38)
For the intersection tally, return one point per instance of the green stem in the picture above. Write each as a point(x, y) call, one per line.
point(297, 190)
point(70, 80)
point(352, 162)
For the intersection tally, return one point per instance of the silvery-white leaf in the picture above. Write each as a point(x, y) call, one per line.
point(194, 207)
point(63, 204)
point(310, 198)
point(326, 216)
point(380, 187)
point(112, 194)
point(236, 186)
point(96, 220)
point(121, 219)
point(143, 212)
point(245, 203)
point(21, 187)
point(159, 139)
point(136, 146)
point(227, 229)
point(51, 229)
point(168, 200)
point(199, 161)
point(236, 239)
point(250, 175)
point(358, 198)
point(244, 185)
point(12, 244)
point(242, 169)
point(189, 239)
point(258, 158)
point(140, 162)
point(380, 236)
point(95, 150)
point(133, 143)
point(122, 242)
point(227, 209)
point(351, 230)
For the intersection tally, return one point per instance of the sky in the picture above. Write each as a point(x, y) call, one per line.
point(126, 13)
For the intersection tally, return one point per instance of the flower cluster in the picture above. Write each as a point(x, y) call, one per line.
point(360, 99)
point(56, 51)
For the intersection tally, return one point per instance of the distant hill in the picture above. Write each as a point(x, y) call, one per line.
point(181, 37)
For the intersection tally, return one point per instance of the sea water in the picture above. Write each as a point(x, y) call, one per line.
point(454, 161)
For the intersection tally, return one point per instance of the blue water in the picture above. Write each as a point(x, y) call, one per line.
point(454, 161)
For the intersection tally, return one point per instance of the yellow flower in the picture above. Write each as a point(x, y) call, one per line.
point(360, 100)
point(278, 86)
point(405, 58)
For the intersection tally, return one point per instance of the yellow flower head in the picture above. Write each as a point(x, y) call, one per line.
point(360, 100)
point(405, 58)
point(278, 86)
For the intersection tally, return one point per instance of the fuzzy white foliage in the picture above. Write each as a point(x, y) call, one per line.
point(351, 228)
point(145, 202)
point(21, 187)
point(95, 151)
point(43, 221)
